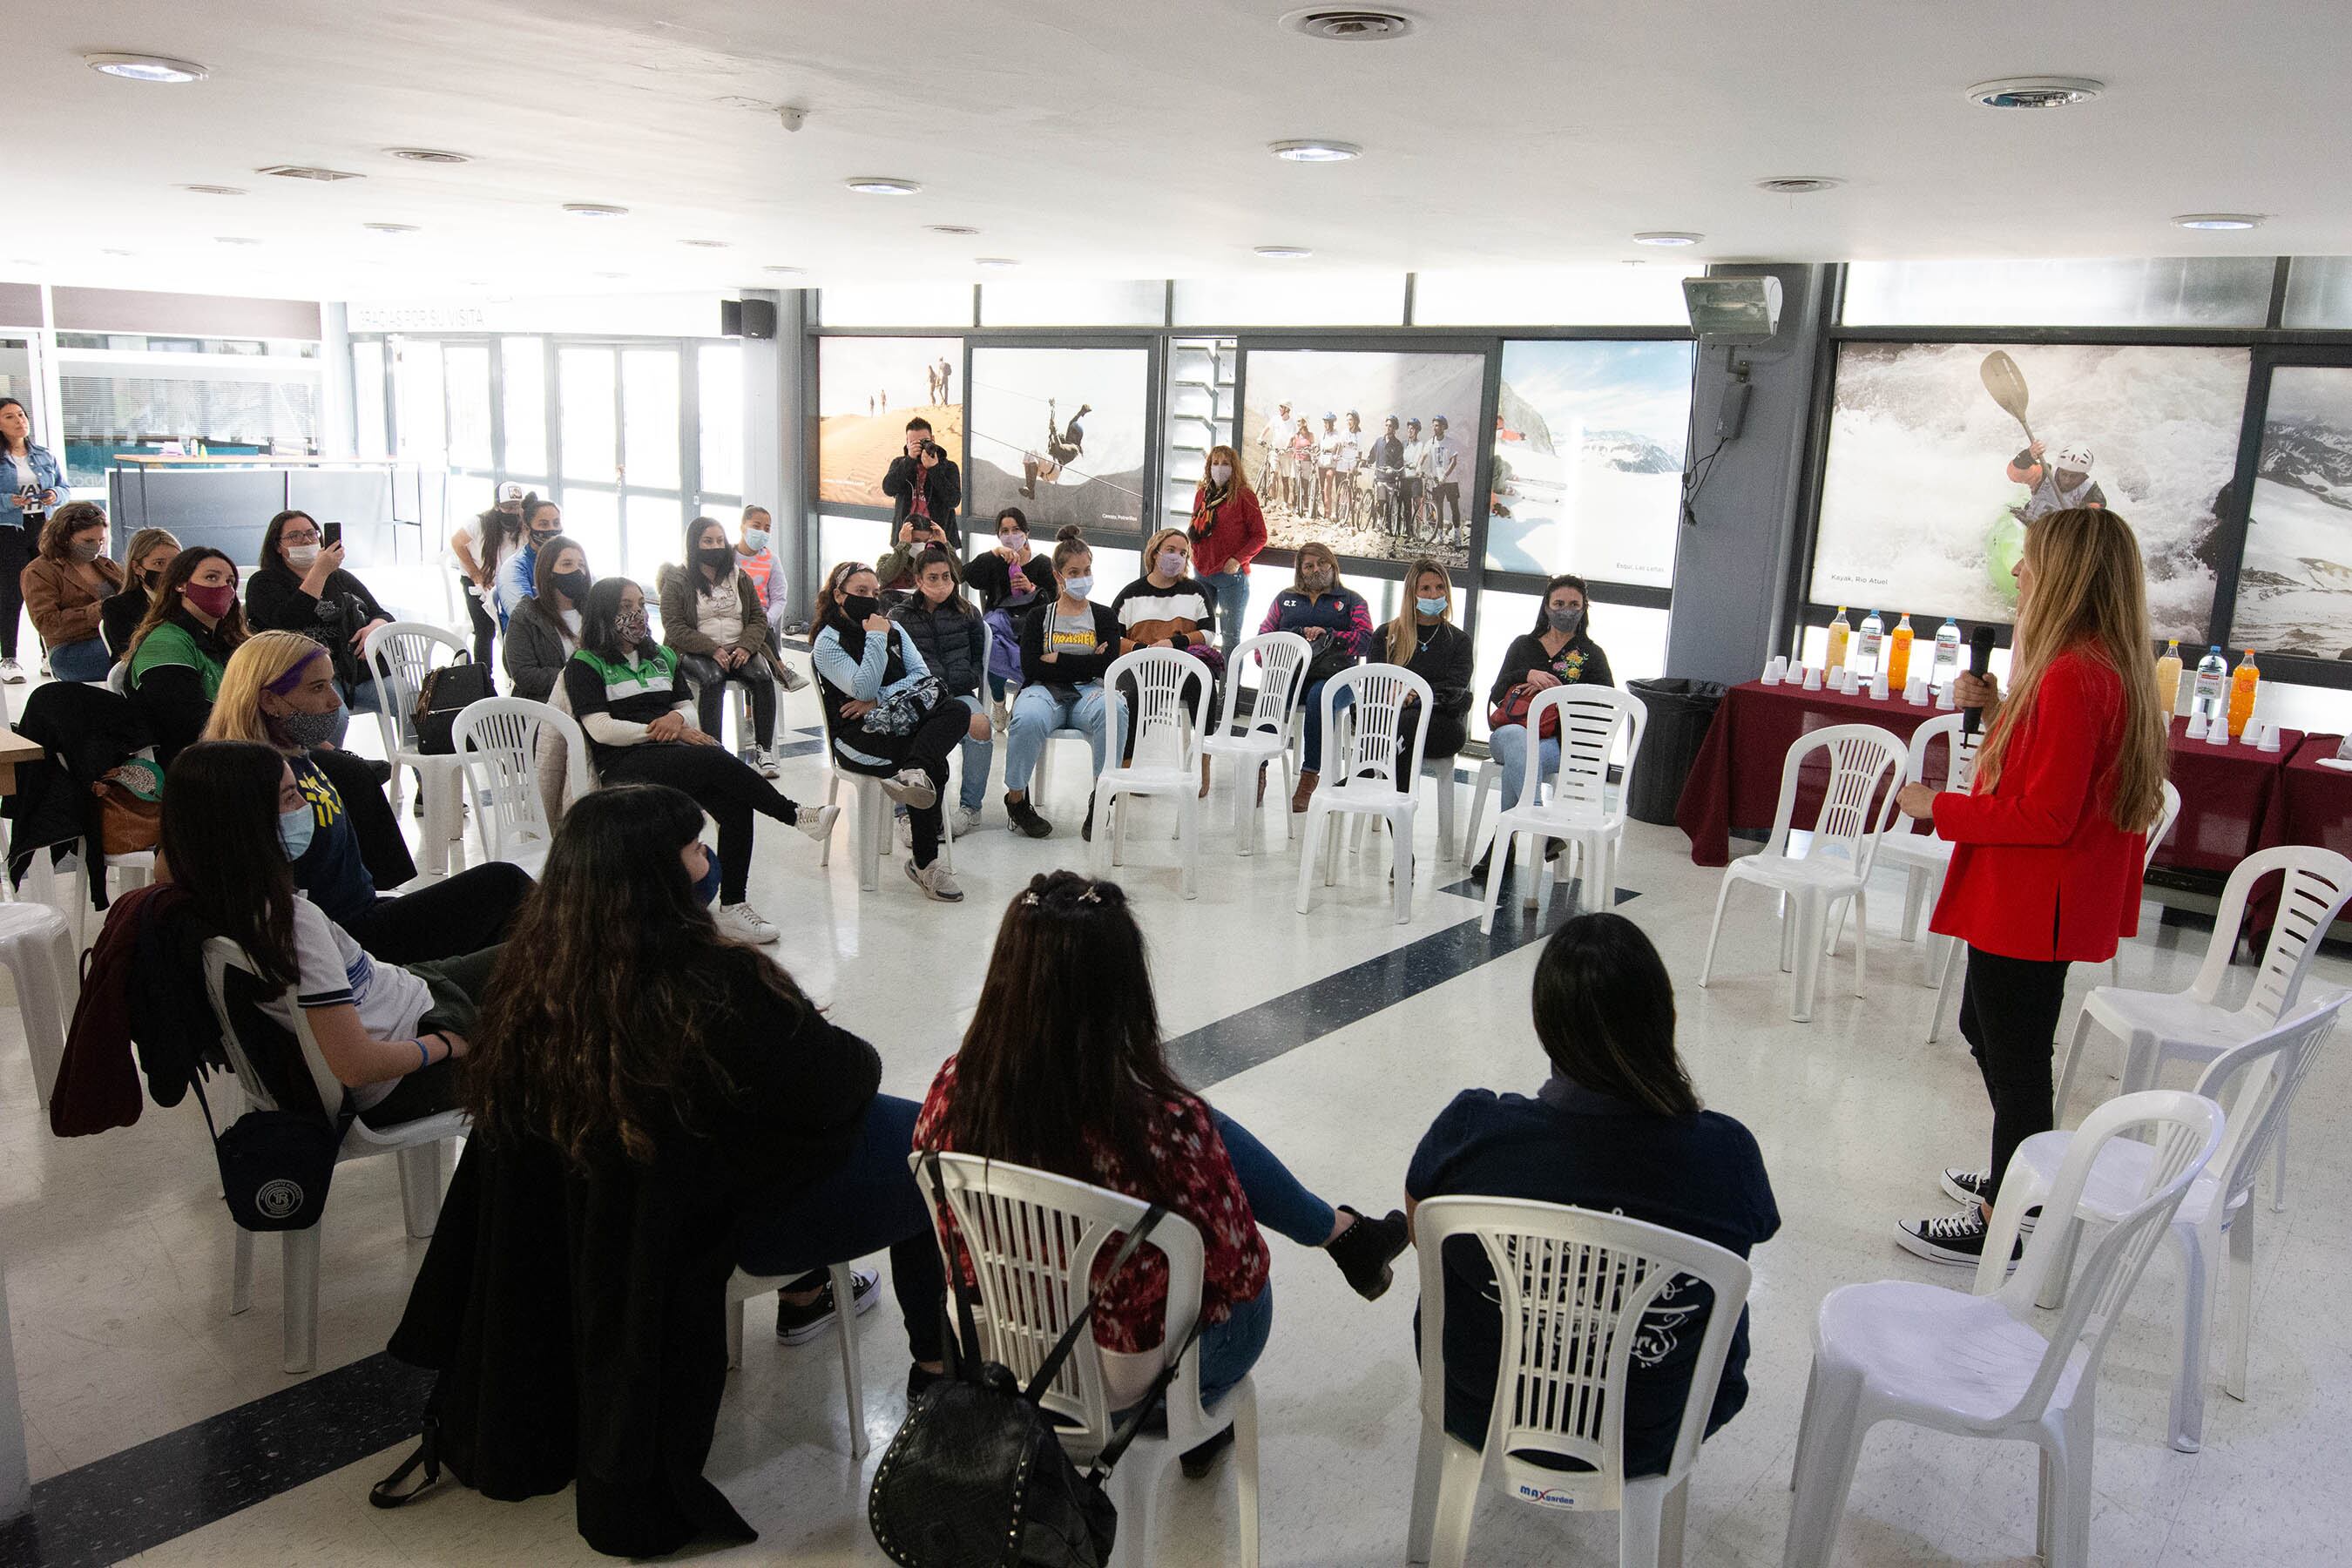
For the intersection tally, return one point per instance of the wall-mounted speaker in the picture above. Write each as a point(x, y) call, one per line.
point(747, 317)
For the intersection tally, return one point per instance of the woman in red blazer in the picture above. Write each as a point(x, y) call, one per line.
point(1228, 530)
point(2047, 844)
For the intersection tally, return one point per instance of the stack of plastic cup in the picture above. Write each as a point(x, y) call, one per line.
point(1777, 669)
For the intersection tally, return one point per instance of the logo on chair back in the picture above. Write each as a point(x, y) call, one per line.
point(279, 1199)
point(1546, 1497)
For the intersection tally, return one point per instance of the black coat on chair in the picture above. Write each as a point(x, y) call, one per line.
point(86, 729)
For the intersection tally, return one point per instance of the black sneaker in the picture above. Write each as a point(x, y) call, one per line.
point(1955, 1237)
point(1365, 1249)
point(1198, 1461)
point(1086, 828)
point(1975, 1187)
point(799, 1324)
point(1024, 819)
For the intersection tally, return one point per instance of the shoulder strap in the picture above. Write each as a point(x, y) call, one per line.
point(1052, 1367)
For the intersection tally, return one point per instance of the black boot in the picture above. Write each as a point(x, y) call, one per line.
point(1365, 1251)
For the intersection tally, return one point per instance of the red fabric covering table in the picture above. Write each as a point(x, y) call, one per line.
point(2315, 803)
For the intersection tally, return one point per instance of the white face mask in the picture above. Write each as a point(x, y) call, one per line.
point(755, 539)
point(1221, 473)
point(300, 556)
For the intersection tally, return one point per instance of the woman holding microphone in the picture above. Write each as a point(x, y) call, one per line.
point(2046, 863)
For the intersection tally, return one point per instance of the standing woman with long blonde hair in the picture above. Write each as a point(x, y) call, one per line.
point(2048, 841)
point(1228, 529)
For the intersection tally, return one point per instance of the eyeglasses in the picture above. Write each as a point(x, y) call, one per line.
point(298, 536)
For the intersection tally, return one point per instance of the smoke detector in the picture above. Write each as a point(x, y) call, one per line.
point(427, 155)
point(2036, 91)
point(1348, 25)
point(305, 171)
point(1798, 184)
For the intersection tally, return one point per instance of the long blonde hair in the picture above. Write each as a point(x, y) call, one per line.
point(262, 661)
point(2089, 597)
point(1238, 485)
point(1404, 631)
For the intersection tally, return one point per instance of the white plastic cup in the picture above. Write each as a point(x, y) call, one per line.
point(1848, 682)
point(1944, 699)
point(1777, 670)
point(1812, 679)
point(2270, 741)
point(1878, 686)
point(2218, 735)
point(1916, 693)
point(2196, 730)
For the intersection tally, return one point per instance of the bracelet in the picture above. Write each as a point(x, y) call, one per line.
point(424, 1057)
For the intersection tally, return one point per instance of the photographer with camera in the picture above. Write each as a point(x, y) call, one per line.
point(301, 586)
point(926, 487)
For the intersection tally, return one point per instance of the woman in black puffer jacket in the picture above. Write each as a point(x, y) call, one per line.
point(953, 640)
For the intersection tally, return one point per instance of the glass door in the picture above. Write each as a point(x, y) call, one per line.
point(627, 453)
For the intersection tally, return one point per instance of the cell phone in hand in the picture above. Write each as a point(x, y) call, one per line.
point(329, 535)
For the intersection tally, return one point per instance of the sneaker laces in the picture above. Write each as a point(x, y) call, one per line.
point(1961, 1224)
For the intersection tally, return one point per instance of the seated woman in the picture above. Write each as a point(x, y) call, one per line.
point(234, 818)
point(1337, 627)
point(152, 550)
point(1061, 1070)
point(66, 587)
point(1424, 640)
point(1559, 651)
point(544, 633)
point(1008, 578)
point(280, 691)
point(1170, 607)
point(948, 633)
point(1616, 1128)
point(633, 703)
point(301, 586)
point(703, 1114)
point(713, 620)
point(1067, 646)
point(181, 650)
point(886, 715)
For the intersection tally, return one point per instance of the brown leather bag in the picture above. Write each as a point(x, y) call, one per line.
point(129, 807)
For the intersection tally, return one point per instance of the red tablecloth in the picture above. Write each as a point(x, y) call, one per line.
point(2315, 803)
point(2228, 794)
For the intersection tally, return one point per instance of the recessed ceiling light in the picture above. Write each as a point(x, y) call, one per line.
point(707, 244)
point(994, 261)
point(1315, 152)
point(594, 209)
point(215, 190)
point(389, 227)
point(2218, 220)
point(232, 239)
point(1666, 236)
point(881, 186)
point(608, 275)
point(1798, 184)
point(308, 172)
point(427, 155)
point(1283, 252)
point(2035, 91)
point(118, 253)
point(957, 229)
point(793, 271)
point(1348, 24)
point(146, 68)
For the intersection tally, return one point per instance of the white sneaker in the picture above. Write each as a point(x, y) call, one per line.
point(1001, 717)
point(817, 822)
point(765, 761)
point(745, 923)
point(910, 787)
point(11, 672)
point(963, 819)
point(906, 831)
point(937, 881)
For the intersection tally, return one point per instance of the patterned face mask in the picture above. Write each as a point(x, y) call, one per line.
point(633, 627)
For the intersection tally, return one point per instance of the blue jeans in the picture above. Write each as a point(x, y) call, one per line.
point(1228, 1350)
point(85, 660)
point(1311, 758)
point(1277, 1199)
point(1232, 591)
point(1510, 747)
point(1037, 712)
point(976, 756)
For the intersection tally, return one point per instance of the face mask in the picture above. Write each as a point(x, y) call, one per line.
point(1564, 622)
point(1317, 582)
point(572, 586)
point(1077, 587)
point(1015, 543)
point(149, 579)
point(1172, 564)
point(719, 558)
point(1430, 606)
point(539, 536)
point(755, 539)
point(294, 830)
point(308, 730)
point(706, 889)
point(82, 551)
point(861, 608)
point(300, 556)
point(1221, 473)
point(216, 600)
point(633, 629)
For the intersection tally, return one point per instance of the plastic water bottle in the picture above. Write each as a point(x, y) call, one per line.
point(1869, 645)
point(1947, 663)
point(2211, 701)
point(1839, 632)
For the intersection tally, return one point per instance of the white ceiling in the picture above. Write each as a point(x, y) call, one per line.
point(1126, 138)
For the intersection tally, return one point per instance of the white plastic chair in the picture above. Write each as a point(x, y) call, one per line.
point(416, 1144)
point(2160, 1026)
point(38, 949)
point(1264, 737)
point(1168, 728)
point(400, 653)
point(1033, 1239)
point(1366, 773)
point(870, 829)
point(1490, 774)
point(498, 742)
point(1865, 763)
point(1912, 847)
point(2254, 1083)
point(1573, 1287)
point(741, 1291)
point(1590, 720)
point(1975, 1365)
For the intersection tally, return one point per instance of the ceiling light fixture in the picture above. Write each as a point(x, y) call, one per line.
point(427, 155)
point(1666, 236)
point(594, 209)
point(994, 262)
point(2036, 91)
point(1798, 184)
point(881, 186)
point(1348, 25)
point(232, 239)
point(309, 172)
point(390, 228)
point(707, 244)
point(118, 253)
point(955, 228)
point(791, 271)
point(146, 68)
point(1283, 252)
point(2218, 220)
point(215, 190)
point(1315, 152)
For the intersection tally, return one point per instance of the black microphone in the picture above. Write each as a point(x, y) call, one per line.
point(1980, 666)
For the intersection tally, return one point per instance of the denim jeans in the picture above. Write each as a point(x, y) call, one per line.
point(1227, 1351)
point(1037, 712)
point(1232, 591)
point(976, 756)
point(85, 660)
point(1277, 1199)
point(1311, 754)
point(1510, 747)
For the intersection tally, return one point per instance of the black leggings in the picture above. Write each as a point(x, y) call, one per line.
point(460, 914)
point(709, 684)
point(486, 625)
point(2008, 1015)
point(16, 554)
point(720, 782)
point(943, 729)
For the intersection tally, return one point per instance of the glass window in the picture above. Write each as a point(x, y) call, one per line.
point(1293, 299)
point(649, 410)
point(417, 394)
point(106, 413)
point(2295, 591)
point(718, 372)
point(2318, 292)
point(593, 517)
point(2165, 292)
point(840, 539)
point(1073, 302)
point(584, 405)
point(657, 535)
point(1606, 294)
point(523, 362)
point(896, 305)
point(465, 368)
point(367, 398)
point(1589, 451)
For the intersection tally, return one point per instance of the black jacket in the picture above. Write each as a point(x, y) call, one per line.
point(576, 1316)
point(1586, 663)
point(119, 617)
point(1071, 669)
point(951, 641)
point(274, 601)
point(1442, 657)
point(989, 573)
point(943, 486)
point(87, 729)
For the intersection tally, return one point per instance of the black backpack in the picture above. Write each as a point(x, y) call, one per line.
point(447, 691)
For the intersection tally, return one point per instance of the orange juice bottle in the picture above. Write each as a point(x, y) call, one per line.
point(1840, 630)
point(2242, 681)
point(1898, 655)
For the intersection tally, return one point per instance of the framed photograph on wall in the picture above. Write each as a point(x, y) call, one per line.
point(867, 390)
point(1372, 453)
point(1062, 434)
point(1590, 444)
point(2294, 580)
point(1942, 454)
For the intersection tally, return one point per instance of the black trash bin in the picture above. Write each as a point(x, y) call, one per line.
point(1680, 711)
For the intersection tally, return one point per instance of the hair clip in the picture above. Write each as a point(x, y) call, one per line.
point(1029, 900)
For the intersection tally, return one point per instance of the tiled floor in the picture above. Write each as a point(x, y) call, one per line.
point(117, 1252)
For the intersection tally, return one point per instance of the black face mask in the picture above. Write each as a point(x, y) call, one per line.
point(148, 580)
point(717, 558)
point(572, 586)
point(859, 607)
point(542, 535)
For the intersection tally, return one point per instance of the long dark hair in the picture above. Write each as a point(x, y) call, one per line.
point(1605, 1013)
point(826, 610)
point(1063, 1055)
point(1543, 605)
point(543, 583)
point(695, 573)
point(273, 536)
point(220, 838)
point(939, 555)
point(166, 598)
point(599, 634)
point(18, 403)
point(602, 1007)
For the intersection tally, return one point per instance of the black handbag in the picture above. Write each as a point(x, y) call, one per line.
point(446, 692)
point(978, 1477)
point(1328, 660)
point(274, 1165)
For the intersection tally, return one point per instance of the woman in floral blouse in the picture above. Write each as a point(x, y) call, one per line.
point(1559, 652)
point(1061, 1070)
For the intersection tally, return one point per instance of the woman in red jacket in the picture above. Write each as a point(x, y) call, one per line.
point(2046, 862)
point(1228, 530)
